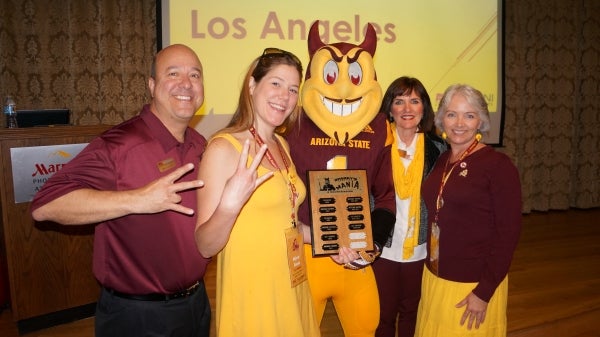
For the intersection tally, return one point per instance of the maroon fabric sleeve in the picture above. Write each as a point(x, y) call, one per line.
point(505, 192)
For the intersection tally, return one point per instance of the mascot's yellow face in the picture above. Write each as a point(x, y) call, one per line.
point(341, 94)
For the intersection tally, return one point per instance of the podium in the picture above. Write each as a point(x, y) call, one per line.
point(49, 266)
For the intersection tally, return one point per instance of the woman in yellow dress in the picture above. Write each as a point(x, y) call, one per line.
point(247, 209)
point(473, 196)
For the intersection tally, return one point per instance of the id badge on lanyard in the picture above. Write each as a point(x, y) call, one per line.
point(295, 252)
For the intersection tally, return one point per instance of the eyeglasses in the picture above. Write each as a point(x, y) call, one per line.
point(276, 52)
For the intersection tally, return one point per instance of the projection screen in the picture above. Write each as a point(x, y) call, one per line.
point(439, 42)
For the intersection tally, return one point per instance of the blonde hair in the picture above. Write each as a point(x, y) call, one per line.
point(473, 96)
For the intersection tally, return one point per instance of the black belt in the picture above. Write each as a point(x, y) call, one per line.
point(158, 297)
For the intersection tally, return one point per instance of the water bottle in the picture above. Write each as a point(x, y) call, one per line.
point(10, 113)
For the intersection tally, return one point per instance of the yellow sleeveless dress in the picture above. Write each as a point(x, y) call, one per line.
point(254, 293)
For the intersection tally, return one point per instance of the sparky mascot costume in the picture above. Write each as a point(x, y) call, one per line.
point(342, 129)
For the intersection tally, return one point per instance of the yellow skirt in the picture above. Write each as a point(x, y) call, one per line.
point(439, 317)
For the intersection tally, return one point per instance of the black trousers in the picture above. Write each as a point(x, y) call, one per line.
point(181, 317)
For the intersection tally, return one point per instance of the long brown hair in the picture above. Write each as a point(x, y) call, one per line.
point(243, 118)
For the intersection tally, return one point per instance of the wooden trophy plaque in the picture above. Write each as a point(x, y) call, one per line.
point(340, 211)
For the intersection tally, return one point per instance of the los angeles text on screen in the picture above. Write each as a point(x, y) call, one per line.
point(287, 29)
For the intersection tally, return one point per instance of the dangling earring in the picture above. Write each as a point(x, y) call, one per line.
point(478, 136)
point(391, 118)
point(444, 135)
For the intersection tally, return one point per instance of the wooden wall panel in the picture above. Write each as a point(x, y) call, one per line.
point(49, 265)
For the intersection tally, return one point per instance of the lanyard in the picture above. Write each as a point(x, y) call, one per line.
point(293, 195)
point(439, 203)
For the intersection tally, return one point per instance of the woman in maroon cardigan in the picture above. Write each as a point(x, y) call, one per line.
point(473, 196)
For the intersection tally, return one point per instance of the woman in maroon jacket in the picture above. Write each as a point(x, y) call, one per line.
point(473, 196)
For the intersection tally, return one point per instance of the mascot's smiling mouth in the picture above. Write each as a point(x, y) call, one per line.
point(340, 109)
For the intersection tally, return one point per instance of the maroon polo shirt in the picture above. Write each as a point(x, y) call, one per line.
point(139, 253)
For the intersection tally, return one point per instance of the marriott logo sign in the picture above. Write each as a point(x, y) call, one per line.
point(43, 169)
point(33, 166)
point(49, 169)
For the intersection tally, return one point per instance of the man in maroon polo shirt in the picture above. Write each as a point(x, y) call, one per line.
point(137, 182)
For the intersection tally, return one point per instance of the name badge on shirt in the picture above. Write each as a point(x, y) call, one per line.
point(295, 252)
point(166, 164)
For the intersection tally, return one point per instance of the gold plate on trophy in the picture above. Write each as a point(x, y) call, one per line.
point(340, 211)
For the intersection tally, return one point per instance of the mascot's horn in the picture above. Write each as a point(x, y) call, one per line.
point(314, 40)
point(370, 42)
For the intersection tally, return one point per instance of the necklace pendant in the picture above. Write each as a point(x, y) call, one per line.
point(403, 154)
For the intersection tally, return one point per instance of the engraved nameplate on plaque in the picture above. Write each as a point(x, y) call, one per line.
point(340, 211)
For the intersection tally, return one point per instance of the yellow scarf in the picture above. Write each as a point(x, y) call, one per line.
point(407, 183)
